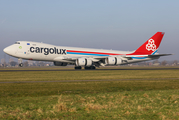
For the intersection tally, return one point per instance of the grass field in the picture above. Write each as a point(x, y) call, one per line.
point(86, 75)
point(139, 94)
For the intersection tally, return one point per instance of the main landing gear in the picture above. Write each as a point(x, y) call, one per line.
point(86, 68)
point(90, 68)
point(77, 67)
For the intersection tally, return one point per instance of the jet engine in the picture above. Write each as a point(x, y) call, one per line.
point(113, 61)
point(60, 63)
point(84, 62)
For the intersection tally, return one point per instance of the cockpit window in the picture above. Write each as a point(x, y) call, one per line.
point(17, 42)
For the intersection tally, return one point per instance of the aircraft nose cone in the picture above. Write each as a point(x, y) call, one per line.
point(6, 50)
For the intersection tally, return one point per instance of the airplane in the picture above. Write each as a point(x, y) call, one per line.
point(84, 57)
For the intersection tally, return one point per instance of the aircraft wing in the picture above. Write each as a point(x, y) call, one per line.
point(92, 57)
point(100, 60)
point(124, 57)
point(74, 58)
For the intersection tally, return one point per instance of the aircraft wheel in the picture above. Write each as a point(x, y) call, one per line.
point(21, 65)
point(90, 68)
point(87, 68)
point(93, 67)
point(77, 67)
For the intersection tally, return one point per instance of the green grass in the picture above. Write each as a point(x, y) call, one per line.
point(87, 75)
point(45, 89)
point(159, 104)
point(152, 95)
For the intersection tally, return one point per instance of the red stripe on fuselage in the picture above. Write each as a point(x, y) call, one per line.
point(92, 52)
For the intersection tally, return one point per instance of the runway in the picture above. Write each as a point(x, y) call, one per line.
point(170, 68)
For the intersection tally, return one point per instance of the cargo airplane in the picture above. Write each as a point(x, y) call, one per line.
point(84, 57)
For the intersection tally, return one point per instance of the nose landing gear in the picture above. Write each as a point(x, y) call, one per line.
point(20, 62)
point(21, 65)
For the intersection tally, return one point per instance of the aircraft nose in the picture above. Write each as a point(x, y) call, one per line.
point(6, 50)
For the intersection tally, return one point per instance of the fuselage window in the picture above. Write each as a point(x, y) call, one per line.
point(17, 42)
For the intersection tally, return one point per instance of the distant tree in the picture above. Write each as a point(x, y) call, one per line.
point(155, 61)
point(175, 61)
point(26, 64)
point(41, 63)
point(13, 63)
point(164, 62)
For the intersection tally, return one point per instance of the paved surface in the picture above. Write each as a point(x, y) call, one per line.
point(94, 70)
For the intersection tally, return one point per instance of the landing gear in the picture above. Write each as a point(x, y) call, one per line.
point(77, 67)
point(20, 62)
point(90, 68)
point(21, 65)
point(86, 68)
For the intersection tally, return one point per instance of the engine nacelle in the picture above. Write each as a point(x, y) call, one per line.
point(60, 63)
point(84, 62)
point(113, 61)
point(89, 62)
point(118, 61)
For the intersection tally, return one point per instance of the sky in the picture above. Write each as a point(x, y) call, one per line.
point(104, 24)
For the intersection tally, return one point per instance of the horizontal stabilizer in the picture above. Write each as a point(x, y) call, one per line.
point(158, 55)
point(145, 56)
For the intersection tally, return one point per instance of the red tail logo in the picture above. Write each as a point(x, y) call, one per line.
point(150, 45)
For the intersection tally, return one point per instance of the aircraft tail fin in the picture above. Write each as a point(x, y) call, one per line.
point(150, 47)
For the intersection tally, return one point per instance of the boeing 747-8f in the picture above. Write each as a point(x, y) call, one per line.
point(84, 57)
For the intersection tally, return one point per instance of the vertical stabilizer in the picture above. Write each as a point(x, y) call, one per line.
point(151, 45)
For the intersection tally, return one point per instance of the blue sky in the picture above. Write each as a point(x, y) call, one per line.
point(107, 24)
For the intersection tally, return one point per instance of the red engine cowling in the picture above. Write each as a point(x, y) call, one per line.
point(84, 62)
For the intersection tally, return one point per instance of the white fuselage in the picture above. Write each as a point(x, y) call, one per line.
point(46, 52)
